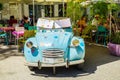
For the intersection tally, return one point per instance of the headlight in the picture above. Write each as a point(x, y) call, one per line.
point(75, 42)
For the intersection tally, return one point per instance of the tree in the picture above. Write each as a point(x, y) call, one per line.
point(100, 8)
point(75, 10)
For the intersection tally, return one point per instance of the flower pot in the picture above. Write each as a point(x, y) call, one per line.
point(114, 49)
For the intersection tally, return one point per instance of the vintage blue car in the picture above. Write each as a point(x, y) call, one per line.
point(54, 45)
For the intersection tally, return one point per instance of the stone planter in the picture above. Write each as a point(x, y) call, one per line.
point(114, 49)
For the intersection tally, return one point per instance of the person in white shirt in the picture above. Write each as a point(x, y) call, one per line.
point(95, 21)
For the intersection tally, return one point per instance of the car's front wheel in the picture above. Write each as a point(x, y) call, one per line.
point(31, 68)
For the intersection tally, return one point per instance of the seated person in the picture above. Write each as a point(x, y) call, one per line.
point(95, 21)
point(106, 25)
point(26, 23)
point(12, 21)
point(103, 28)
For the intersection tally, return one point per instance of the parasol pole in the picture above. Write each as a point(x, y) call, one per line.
point(33, 12)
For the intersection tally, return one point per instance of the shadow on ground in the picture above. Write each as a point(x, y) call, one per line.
point(7, 51)
point(95, 56)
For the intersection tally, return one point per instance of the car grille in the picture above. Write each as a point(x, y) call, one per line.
point(53, 55)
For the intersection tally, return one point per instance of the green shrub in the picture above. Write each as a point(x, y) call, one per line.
point(115, 38)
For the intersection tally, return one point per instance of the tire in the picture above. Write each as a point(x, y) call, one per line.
point(31, 68)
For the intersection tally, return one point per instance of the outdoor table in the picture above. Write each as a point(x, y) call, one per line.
point(8, 30)
point(17, 35)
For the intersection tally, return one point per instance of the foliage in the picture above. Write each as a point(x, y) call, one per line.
point(27, 34)
point(87, 32)
point(113, 6)
point(115, 38)
point(103, 7)
point(100, 8)
point(21, 41)
point(75, 11)
point(1, 6)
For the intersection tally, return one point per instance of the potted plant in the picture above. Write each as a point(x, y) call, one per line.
point(114, 44)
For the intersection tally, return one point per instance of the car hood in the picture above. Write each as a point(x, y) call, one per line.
point(59, 40)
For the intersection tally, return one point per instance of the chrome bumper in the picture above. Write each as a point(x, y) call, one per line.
point(55, 65)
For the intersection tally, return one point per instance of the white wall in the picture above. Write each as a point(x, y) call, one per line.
point(15, 9)
point(26, 10)
point(5, 12)
point(20, 12)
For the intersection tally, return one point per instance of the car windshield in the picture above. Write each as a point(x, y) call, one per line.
point(53, 23)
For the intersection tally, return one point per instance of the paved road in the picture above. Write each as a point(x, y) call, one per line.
point(99, 65)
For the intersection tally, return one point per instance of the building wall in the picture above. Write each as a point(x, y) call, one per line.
point(5, 12)
point(18, 10)
point(26, 10)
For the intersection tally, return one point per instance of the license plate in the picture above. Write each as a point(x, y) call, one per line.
point(53, 60)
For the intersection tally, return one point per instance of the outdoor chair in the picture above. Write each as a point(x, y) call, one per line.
point(19, 31)
point(102, 34)
point(4, 35)
point(32, 28)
